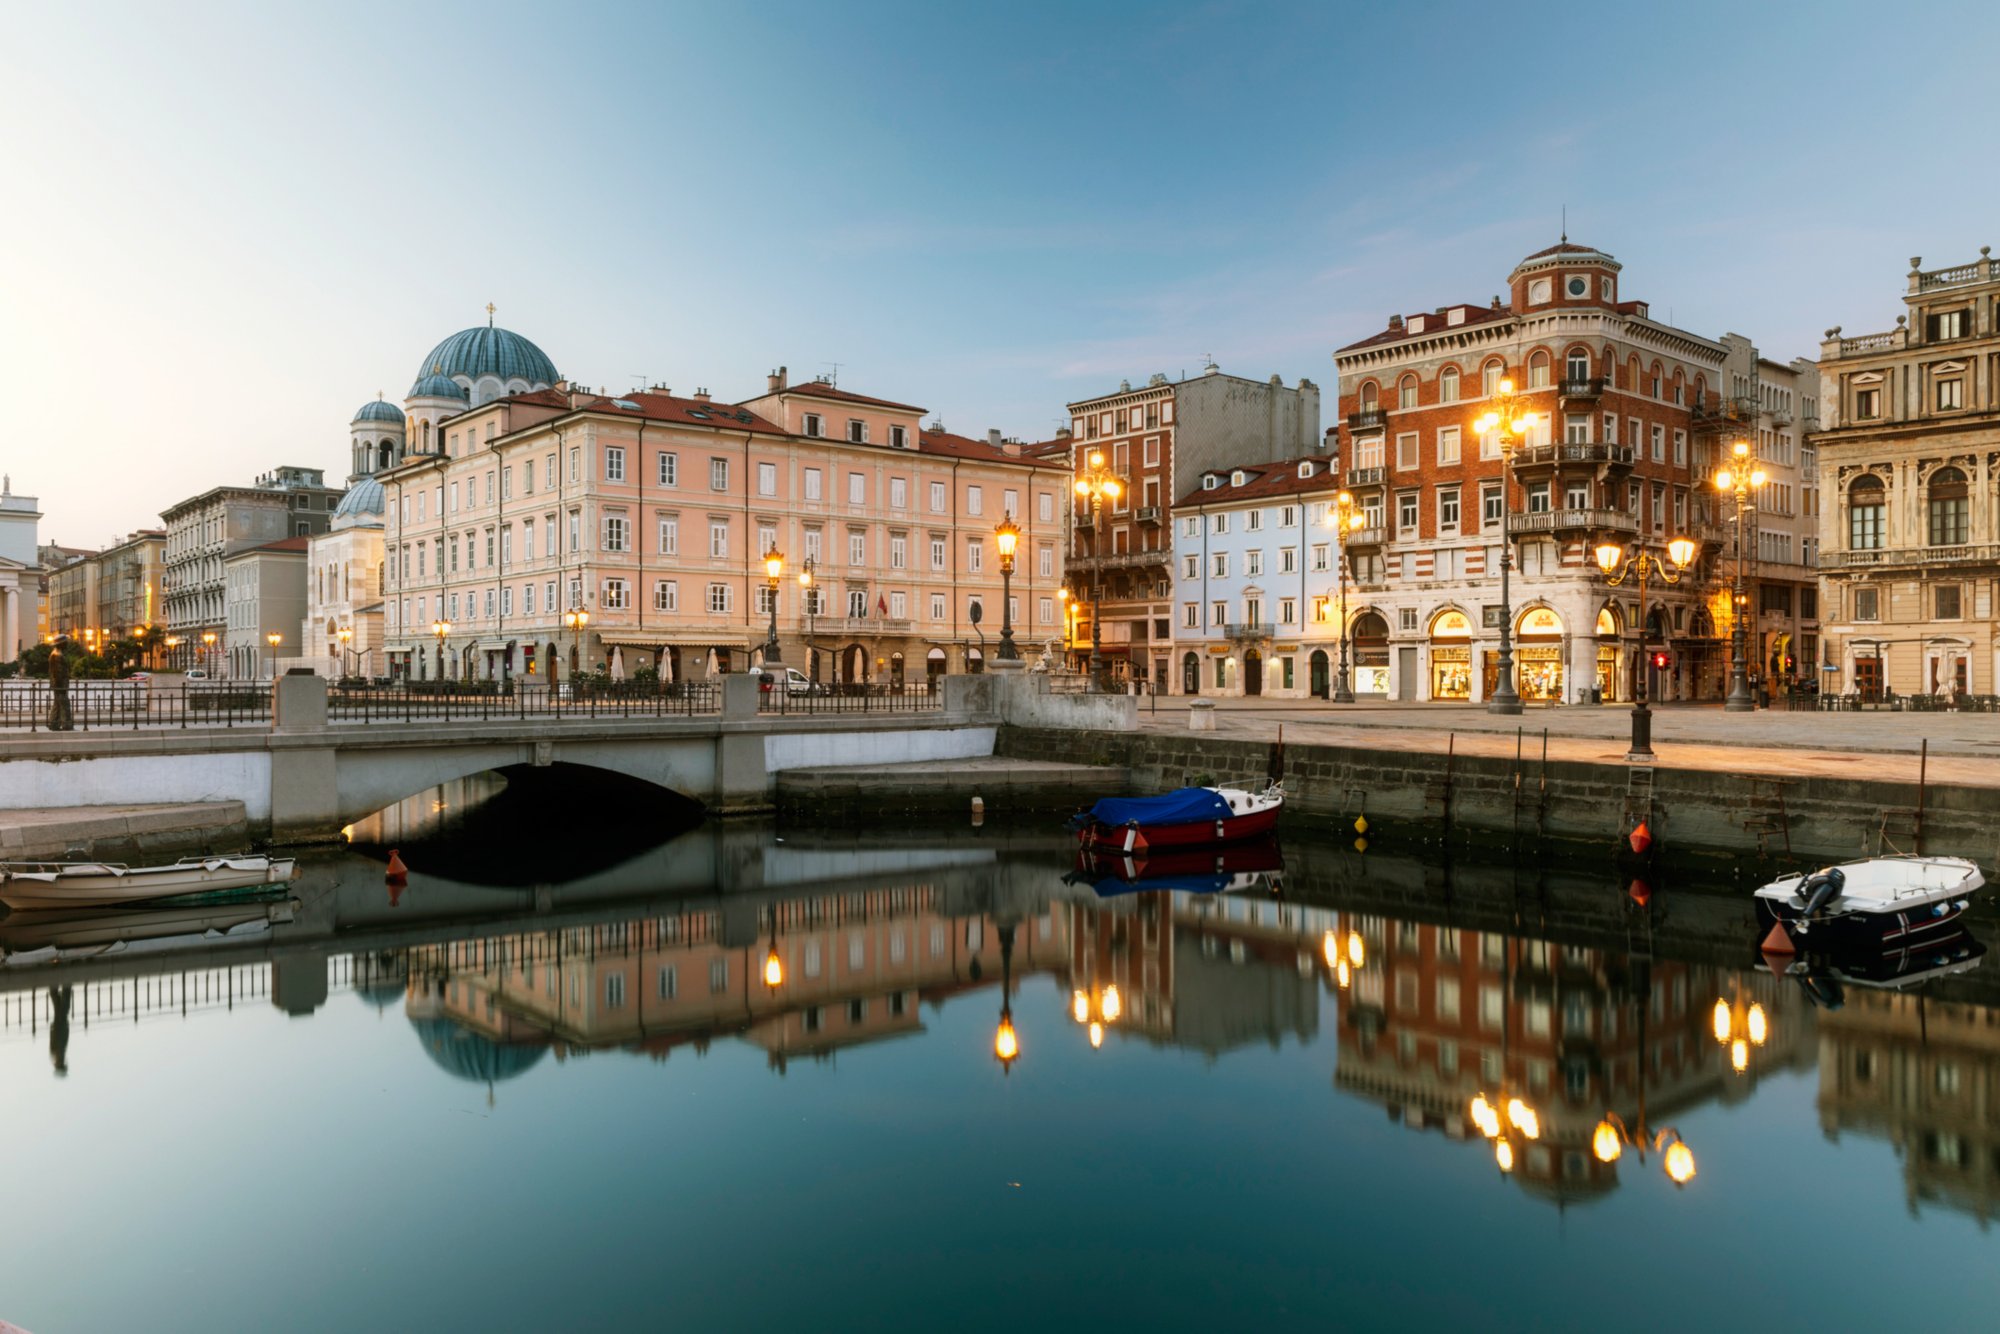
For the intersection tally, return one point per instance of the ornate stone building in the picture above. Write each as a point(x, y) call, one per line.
point(1909, 462)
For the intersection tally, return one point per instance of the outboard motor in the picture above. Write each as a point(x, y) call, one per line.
point(1820, 888)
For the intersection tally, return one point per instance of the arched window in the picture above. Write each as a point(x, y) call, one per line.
point(1538, 370)
point(1947, 508)
point(1490, 376)
point(1576, 365)
point(1864, 513)
point(1369, 399)
point(1655, 380)
point(1406, 392)
point(426, 435)
point(1448, 385)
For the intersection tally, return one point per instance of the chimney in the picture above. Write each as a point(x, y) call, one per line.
point(1062, 432)
point(993, 436)
point(1395, 324)
point(775, 381)
point(701, 396)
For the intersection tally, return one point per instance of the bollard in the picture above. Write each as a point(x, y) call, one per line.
point(1201, 716)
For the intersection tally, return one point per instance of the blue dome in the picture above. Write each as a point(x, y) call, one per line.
point(438, 386)
point(379, 411)
point(472, 1056)
point(485, 350)
point(364, 497)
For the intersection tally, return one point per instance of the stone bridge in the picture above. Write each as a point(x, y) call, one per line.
point(304, 778)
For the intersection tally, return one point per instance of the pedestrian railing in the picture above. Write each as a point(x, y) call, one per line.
point(469, 701)
point(820, 699)
point(100, 705)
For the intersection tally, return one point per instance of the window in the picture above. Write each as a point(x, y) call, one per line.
point(767, 479)
point(1319, 557)
point(975, 500)
point(1576, 365)
point(1538, 367)
point(718, 538)
point(1946, 324)
point(813, 426)
point(1253, 563)
point(857, 488)
point(1490, 502)
point(718, 474)
point(937, 497)
point(614, 463)
point(1948, 500)
point(1191, 615)
point(1867, 604)
point(1447, 446)
point(1253, 522)
point(1576, 429)
point(1406, 451)
point(899, 437)
point(1288, 560)
point(1864, 514)
point(1867, 404)
point(1448, 385)
point(1950, 394)
point(616, 531)
point(670, 537)
point(767, 598)
point(719, 598)
point(1045, 562)
point(670, 470)
point(616, 594)
point(937, 606)
point(1218, 616)
point(1539, 291)
point(1288, 610)
point(666, 595)
point(898, 551)
point(1045, 506)
point(1447, 510)
point(899, 491)
point(1680, 449)
point(1190, 567)
point(1219, 565)
point(857, 546)
point(1489, 378)
point(1406, 514)
point(937, 552)
point(1659, 443)
point(1406, 392)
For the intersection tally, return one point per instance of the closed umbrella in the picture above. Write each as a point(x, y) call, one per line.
point(617, 662)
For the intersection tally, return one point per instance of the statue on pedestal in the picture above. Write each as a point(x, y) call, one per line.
point(60, 719)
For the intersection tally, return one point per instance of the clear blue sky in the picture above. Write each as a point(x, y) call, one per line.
point(227, 226)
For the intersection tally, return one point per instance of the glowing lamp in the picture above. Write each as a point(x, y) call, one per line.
point(1503, 1154)
point(1680, 1163)
point(1725, 480)
point(1758, 477)
point(1006, 537)
point(1083, 488)
point(1330, 948)
point(1760, 1026)
point(1720, 1021)
point(1608, 555)
point(1357, 949)
point(1097, 458)
point(1113, 1004)
point(774, 970)
point(1741, 449)
point(774, 563)
point(1680, 551)
point(1096, 1034)
point(1739, 1056)
point(1524, 1119)
point(1005, 1044)
point(1112, 488)
point(1605, 1143)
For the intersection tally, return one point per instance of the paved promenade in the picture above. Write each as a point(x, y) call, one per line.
point(1964, 748)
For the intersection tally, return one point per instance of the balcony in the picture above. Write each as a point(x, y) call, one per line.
point(1368, 419)
point(1249, 630)
point(859, 625)
point(1367, 476)
point(1589, 455)
point(1120, 560)
point(1147, 514)
point(1928, 557)
point(1589, 387)
point(1572, 521)
point(1367, 537)
point(1085, 524)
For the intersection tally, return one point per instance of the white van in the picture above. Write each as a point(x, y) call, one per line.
point(795, 681)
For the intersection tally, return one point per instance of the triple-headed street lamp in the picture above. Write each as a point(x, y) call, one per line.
point(1097, 485)
point(1006, 537)
point(774, 570)
point(1508, 423)
point(1345, 521)
point(1742, 479)
point(1642, 566)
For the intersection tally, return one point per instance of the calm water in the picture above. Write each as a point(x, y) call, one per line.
point(554, 1092)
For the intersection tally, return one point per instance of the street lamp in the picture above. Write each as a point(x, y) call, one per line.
point(1344, 955)
point(774, 570)
point(1345, 521)
point(1608, 1142)
point(811, 599)
point(1740, 1027)
point(1096, 1008)
point(274, 639)
point(577, 622)
point(1643, 565)
point(208, 650)
point(1006, 537)
point(440, 628)
point(1742, 480)
point(1096, 486)
point(1508, 423)
point(1068, 601)
point(344, 635)
point(173, 642)
point(1501, 1122)
point(1006, 1043)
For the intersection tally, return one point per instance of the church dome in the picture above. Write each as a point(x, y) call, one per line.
point(379, 411)
point(435, 385)
point(486, 350)
point(363, 498)
point(472, 1056)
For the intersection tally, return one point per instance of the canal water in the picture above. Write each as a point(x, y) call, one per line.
point(578, 1075)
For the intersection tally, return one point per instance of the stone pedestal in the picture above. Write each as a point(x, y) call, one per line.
point(1201, 716)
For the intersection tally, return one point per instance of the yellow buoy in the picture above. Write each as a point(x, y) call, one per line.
point(1360, 824)
point(1361, 845)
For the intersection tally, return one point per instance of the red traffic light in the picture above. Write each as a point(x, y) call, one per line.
point(1661, 659)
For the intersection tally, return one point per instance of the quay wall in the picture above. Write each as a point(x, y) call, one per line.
point(1692, 813)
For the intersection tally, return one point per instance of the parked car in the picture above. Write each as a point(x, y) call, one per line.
point(197, 674)
point(795, 681)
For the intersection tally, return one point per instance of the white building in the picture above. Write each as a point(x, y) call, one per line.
point(265, 595)
point(20, 571)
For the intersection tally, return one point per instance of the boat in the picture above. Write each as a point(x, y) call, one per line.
point(1899, 901)
point(1824, 978)
point(1191, 817)
point(107, 884)
point(35, 934)
point(1219, 870)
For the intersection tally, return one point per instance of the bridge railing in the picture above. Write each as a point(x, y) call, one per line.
point(916, 697)
point(100, 705)
point(440, 701)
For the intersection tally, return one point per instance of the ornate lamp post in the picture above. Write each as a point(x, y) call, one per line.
point(1345, 521)
point(440, 628)
point(208, 650)
point(1502, 1122)
point(1344, 955)
point(1006, 537)
point(1739, 1027)
point(1642, 566)
point(774, 570)
point(1508, 424)
point(1742, 479)
point(1006, 1044)
point(172, 643)
point(1096, 486)
point(274, 639)
point(806, 572)
point(345, 636)
point(576, 621)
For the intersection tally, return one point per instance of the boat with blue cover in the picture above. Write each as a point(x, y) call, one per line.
point(1186, 818)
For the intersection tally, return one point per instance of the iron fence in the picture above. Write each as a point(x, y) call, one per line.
point(912, 698)
point(467, 701)
point(101, 705)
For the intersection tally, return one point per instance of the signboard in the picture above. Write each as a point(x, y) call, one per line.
point(1371, 680)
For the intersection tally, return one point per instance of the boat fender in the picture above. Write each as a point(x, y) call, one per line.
point(1821, 887)
point(1641, 839)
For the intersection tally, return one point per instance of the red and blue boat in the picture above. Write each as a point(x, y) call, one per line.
point(1191, 817)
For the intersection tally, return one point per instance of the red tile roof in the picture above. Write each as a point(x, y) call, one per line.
point(821, 389)
point(671, 408)
point(287, 544)
point(1263, 481)
point(1566, 248)
point(966, 447)
point(1474, 314)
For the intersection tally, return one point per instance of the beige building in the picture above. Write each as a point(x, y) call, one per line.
point(1907, 459)
point(20, 573)
point(129, 575)
point(203, 531)
point(73, 598)
point(265, 594)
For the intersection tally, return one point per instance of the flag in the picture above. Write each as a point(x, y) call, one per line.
point(881, 605)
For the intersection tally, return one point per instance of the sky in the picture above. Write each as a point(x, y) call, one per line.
point(225, 227)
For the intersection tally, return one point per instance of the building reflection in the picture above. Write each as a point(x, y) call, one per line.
point(1925, 1076)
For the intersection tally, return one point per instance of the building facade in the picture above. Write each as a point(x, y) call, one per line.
point(265, 595)
point(1158, 439)
point(203, 531)
point(1256, 581)
point(1909, 460)
point(20, 571)
point(129, 575)
point(73, 598)
point(1625, 420)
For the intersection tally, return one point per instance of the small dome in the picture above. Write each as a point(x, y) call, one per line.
point(435, 385)
point(363, 498)
point(472, 1056)
point(486, 350)
point(379, 411)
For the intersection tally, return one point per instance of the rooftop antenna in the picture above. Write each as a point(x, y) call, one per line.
point(1565, 231)
point(834, 378)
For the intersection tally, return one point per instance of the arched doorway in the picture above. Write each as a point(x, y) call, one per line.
point(1253, 672)
point(1538, 656)
point(1451, 656)
point(1607, 652)
point(975, 661)
point(1321, 676)
point(1190, 674)
point(935, 666)
point(854, 665)
point(1371, 655)
point(896, 670)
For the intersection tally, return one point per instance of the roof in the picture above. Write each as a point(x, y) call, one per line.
point(967, 447)
point(286, 544)
point(1474, 314)
point(486, 350)
point(1265, 481)
point(821, 389)
point(1564, 248)
point(659, 407)
point(377, 410)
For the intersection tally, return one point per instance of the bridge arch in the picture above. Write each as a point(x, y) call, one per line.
point(368, 779)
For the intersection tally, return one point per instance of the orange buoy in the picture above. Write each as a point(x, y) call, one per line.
point(1640, 892)
point(1641, 839)
point(1139, 845)
point(396, 887)
point(397, 871)
point(1778, 941)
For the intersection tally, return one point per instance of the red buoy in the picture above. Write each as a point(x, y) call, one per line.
point(1641, 839)
point(1778, 941)
point(1641, 892)
point(397, 871)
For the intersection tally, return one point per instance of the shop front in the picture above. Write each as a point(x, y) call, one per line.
point(1538, 658)
point(1371, 656)
point(1607, 654)
point(1451, 656)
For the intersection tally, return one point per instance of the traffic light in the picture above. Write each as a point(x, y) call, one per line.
point(1661, 659)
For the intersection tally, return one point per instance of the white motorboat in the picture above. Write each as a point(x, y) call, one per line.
point(1892, 901)
point(106, 884)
